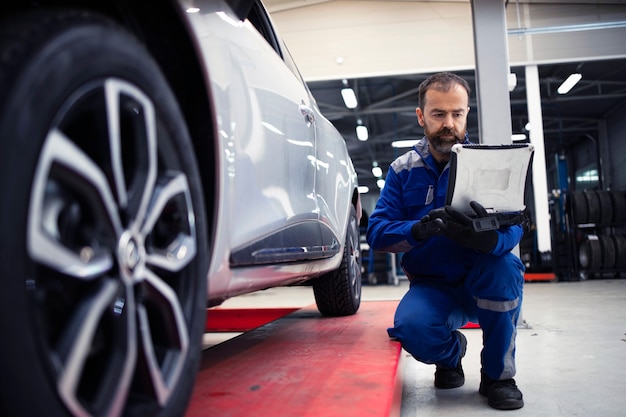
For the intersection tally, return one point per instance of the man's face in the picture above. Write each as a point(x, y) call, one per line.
point(444, 119)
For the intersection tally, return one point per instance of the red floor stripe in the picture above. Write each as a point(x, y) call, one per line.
point(242, 319)
point(539, 276)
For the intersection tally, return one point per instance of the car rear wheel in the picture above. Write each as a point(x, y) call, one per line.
point(338, 293)
point(103, 267)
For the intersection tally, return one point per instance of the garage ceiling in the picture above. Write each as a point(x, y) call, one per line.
point(387, 108)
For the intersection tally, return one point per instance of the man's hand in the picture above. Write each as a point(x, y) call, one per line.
point(459, 227)
point(427, 227)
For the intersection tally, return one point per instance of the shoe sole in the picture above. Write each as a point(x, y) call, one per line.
point(449, 386)
point(507, 405)
point(502, 405)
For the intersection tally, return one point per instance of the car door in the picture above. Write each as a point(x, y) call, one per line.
point(274, 204)
point(335, 179)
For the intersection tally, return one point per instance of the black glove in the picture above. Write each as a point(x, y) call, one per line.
point(427, 227)
point(459, 227)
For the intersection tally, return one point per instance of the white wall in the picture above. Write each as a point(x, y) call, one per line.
point(407, 37)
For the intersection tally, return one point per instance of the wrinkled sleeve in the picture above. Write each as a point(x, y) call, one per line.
point(508, 238)
point(389, 230)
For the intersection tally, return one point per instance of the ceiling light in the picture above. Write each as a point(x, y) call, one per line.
point(361, 133)
point(349, 98)
point(363, 189)
point(380, 183)
point(376, 170)
point(567, 85)
point(403, 143)
point(518, 137)
point(512, 80)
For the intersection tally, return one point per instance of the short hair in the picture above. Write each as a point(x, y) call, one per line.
point(441, 81)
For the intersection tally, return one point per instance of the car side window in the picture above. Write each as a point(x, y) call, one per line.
point(261, 22)
point(259, 19)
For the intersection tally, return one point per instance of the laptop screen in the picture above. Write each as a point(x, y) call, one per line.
point(493, 175)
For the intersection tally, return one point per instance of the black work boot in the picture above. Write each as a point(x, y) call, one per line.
point(452, 377)
point(501, 394)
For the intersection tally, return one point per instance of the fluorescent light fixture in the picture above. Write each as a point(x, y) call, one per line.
point(567, 85)
point(518, 136)
point(361, 133)
point(590, 175)
point(403, 143)
point(349, 98)
point(363, 189)
point(377, 171)
point(380, 183)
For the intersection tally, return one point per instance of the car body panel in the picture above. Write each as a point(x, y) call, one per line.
point(282, 189)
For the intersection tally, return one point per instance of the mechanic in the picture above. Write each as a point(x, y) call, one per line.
point(456, 274)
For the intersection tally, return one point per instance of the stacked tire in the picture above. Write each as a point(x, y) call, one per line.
point(598, 207)
point(603, 253)
point(600, 211)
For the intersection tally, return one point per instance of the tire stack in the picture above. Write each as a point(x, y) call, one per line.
point(601, 217)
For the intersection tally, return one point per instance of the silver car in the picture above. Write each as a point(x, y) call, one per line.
point(156, 159)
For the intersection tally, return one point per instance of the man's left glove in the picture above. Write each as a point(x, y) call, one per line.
point(459, 227)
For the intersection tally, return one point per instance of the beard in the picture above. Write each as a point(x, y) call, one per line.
point(443, 144)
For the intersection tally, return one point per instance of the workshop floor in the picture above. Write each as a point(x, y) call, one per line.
point(571, 351)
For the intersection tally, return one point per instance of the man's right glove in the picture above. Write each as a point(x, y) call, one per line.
point(430, 225)
point(459, 227)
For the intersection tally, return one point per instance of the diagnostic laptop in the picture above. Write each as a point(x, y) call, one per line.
point(493, 175)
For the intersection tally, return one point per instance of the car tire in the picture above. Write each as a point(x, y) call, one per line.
point(103, 261)
point(338, 293)
point(578, 203)
point(607, 246)
point(618, 201)
point(619, 242)
point(606, 207)
point(594, 211)
point(590, 254)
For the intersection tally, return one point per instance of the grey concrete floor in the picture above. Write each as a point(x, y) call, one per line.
point(571, 351)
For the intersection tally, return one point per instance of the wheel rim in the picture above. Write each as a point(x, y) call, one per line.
point(354, 259)
point(111, 229)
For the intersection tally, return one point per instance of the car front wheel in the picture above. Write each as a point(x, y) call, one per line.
point(338, 293)
point(103, 267)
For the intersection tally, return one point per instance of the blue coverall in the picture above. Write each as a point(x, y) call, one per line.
point(450, 285)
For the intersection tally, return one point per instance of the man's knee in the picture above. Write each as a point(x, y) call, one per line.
point(421, 340)
point(497, 277)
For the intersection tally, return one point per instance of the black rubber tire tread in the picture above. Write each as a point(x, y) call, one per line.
point(608, 252)
point(618, 199)
point(578, 204)
point(590, 254)
point(338, 293)
point(593, 207)
point(606, 207)
point(619, 242)
point(35, 79)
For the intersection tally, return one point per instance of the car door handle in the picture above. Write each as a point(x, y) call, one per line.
point(308, 114)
